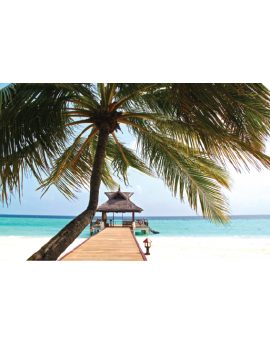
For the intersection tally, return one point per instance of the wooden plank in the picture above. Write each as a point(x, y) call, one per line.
point(101, 258)
point(107, 255)
point(87, 249)
point(107, 258)
point(110, 244)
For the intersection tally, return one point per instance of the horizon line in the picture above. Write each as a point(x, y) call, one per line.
point(51, 215)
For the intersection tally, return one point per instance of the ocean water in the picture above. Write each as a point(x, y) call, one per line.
point(239, 227)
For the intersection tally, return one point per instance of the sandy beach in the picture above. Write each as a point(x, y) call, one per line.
point(192, 248)
point(15, 248)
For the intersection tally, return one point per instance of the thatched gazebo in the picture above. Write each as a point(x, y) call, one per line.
point(119, 202)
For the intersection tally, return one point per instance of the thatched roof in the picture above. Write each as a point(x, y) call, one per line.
point(125, 195)
point(119, 202)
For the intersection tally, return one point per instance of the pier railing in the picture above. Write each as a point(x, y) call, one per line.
point(119, 222)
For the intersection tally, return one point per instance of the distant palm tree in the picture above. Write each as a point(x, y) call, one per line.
point(186, 134)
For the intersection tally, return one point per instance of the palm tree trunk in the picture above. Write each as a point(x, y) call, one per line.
point(58, 244)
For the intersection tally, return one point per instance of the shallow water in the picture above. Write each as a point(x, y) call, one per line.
point(48, 226)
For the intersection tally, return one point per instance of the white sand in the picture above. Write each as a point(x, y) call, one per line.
point(192, 248)
point(163, 248)
point(16, 248)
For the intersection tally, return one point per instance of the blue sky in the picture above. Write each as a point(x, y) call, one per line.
point(250, 194)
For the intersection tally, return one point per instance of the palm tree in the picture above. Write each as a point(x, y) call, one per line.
point(186, 134)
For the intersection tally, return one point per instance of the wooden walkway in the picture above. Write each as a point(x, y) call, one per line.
point(110, 244)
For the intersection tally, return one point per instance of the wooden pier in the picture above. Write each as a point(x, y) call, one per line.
point(110, 244)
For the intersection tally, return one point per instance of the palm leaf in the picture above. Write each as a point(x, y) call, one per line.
point(122, 157)
point(185, 170)
point(188, 134)
point(70, 178)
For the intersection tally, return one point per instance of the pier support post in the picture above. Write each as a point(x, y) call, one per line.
point(134, 227)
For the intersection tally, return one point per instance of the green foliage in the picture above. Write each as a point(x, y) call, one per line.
point(186, 135)
point(68, 177)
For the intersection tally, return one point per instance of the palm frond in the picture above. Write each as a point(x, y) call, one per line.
point(70, 178)
point(187, 133)
point(121, 158)
point(183, 171)
point(6, 95)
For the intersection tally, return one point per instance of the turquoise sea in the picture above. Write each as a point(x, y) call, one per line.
point(257, 226)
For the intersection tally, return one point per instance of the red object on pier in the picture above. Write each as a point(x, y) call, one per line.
point(91, 231)
point(147, 244)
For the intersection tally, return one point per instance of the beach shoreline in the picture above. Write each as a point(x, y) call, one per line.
point(19, 248)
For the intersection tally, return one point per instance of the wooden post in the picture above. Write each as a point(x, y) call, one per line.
point(105, 218)
point(113, 218)
point(133, 218)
